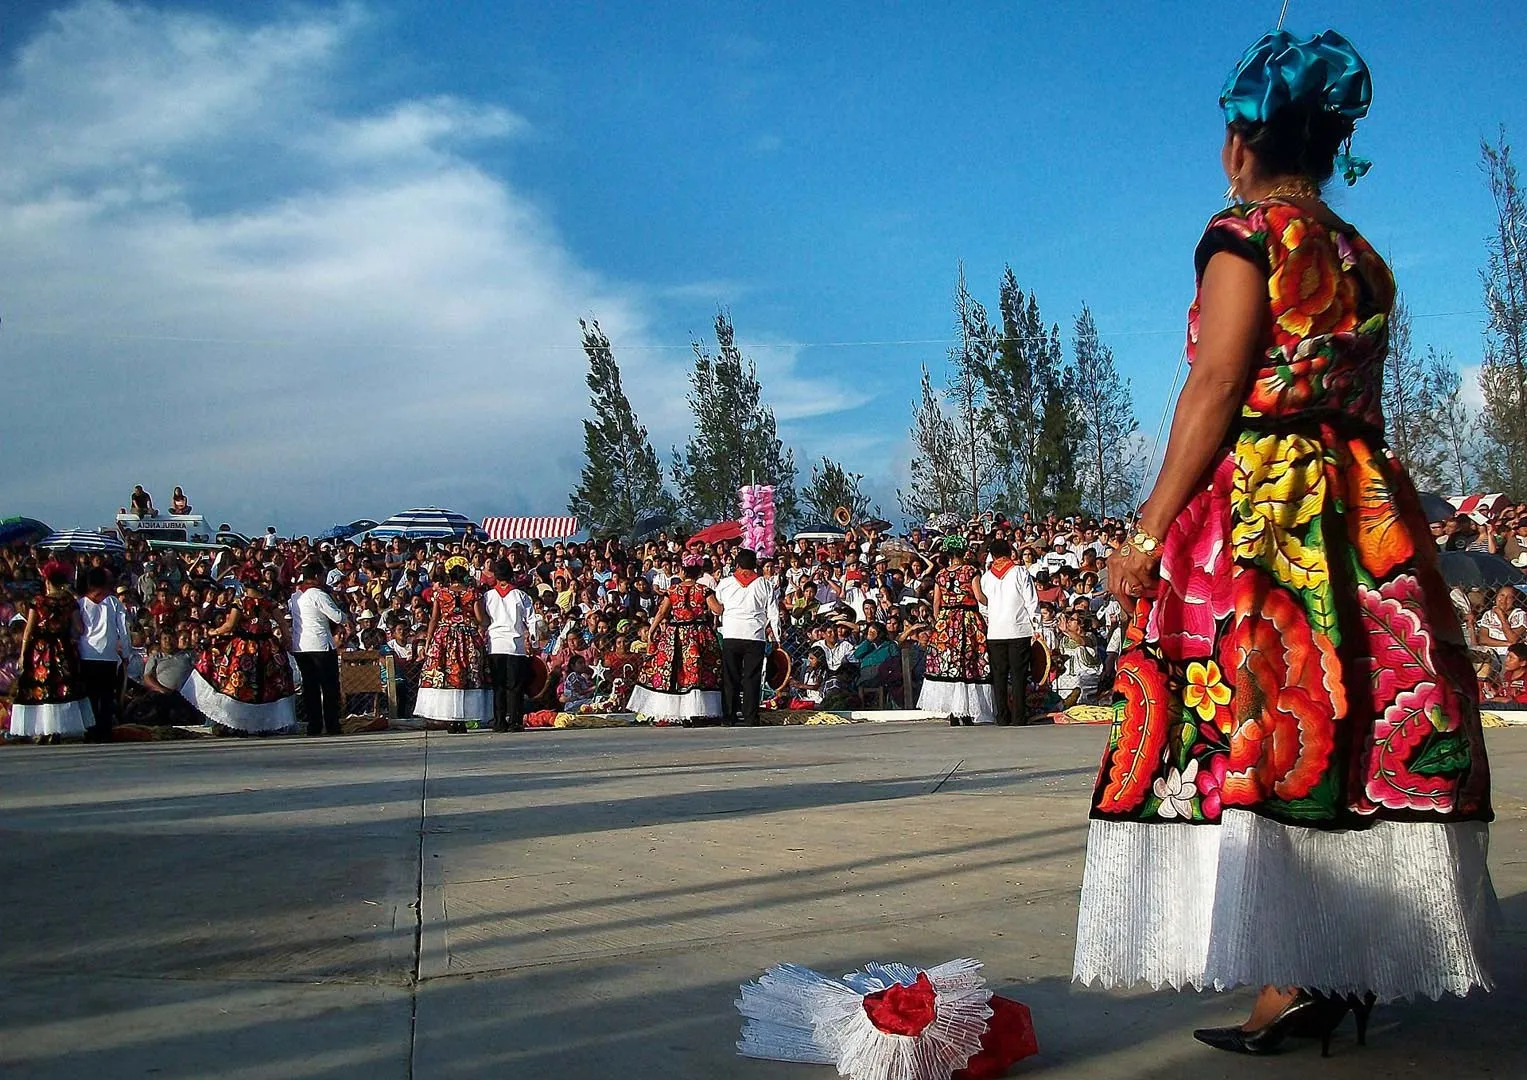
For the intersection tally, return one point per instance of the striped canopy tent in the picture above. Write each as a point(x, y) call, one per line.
point(1476, 504)
point(83, 540)
point(509, 529)
point(425, 523)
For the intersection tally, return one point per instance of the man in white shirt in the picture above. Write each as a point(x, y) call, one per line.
point(1012, 603)
point(749, 608)
point(314, 615)
point(104, 644)
point(511, 616)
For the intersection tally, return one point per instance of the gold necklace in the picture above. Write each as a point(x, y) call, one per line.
point(1296, 188)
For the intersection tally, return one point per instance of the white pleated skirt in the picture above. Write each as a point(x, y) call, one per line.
point(1400, 909)
point(66, 718)
point(262, 718)
point(973, 699)
point(439, 704)
point(692, 704)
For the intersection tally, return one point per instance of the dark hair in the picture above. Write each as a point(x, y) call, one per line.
point(693, 570)
point(747, 559)
point(503, 570)
point(97, 577)
point(457, 573)
point(1000, 549)
point(1300, 139)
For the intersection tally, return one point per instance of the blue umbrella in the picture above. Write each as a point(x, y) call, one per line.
point(22, 530)
point(425, 523)
point(342, 532)
point(83, 540)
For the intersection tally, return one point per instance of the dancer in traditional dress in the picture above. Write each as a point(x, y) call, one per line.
point(681, 677)
point(242, 680)
point(1295, 795)
point(454, 684)
point(51, 702)
point(957, 682)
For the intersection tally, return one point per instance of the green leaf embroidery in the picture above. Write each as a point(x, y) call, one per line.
point(1444, 755)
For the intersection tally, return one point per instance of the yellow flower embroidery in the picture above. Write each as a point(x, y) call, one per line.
point(1206, 689)
point(1279, 487)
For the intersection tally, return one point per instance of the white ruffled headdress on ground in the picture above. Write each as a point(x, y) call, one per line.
point(886, 1022)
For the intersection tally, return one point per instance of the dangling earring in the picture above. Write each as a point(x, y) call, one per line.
point(1231, 197)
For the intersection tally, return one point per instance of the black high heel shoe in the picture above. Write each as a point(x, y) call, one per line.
point(1306, 1014)
point(1361, 1009)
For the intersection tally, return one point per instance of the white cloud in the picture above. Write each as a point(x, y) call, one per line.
point(213, 277)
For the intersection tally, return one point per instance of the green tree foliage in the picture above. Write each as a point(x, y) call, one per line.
point(1109, 466)
point(1447, 460)
point(1406, 412)
point(1503, 374)
point(735, 440)
point(833, 486)
point(1029, 407)
point(934, 485)
point(621, 480)
point(968, 402)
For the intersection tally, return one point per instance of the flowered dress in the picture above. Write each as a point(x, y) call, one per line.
point(50, 698)
point(454, 683)
point(681, 677)
point(243, 680)
point(1295, 790)
point(957, 680)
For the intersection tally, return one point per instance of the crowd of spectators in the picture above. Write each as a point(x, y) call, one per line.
point(856, 617)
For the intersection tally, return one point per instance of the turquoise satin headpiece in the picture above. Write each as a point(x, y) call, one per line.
point(1280, 70)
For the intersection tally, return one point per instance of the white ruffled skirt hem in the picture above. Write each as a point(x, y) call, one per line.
point(1400, 909)
point(440, 704)
point(690, 705)
point(957, 699)
point(255, 718)
point(54, 718)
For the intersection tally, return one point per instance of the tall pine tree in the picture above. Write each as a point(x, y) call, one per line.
point(968, 399)
point(1406, 408)
point(934, 485)
point(735, 441)
point(1029, 408)
point(1503, 375)
point(621, 480)
point(1105, 412)
point(1447, 462)
point(833, 486)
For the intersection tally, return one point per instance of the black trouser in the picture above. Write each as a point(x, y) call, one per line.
point(510, 674)
point(102, 684)
point(1009, 659)
point(742, 663)
point(320, 690)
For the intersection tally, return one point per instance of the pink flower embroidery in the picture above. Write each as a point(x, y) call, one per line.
point(1394, 619)
point(1210, 778)
point(1414, 715)
point(1195, 572)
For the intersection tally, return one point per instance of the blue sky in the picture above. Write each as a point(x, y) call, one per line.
point(322, 261)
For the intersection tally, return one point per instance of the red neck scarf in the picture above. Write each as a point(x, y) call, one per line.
point(1000, 567)
point(504, 588)
point(745, 577)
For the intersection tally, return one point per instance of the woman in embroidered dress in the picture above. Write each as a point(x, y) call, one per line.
point(50, 698)
point(242, 681)
point(957, 681)
point(681, 676)
point(454, 685)
point(1295, 795)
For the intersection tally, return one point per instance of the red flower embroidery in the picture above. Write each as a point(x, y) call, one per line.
point(1140, 734)
point(1288, 693)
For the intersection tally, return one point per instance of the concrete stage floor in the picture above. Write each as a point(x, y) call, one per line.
point(585, 904)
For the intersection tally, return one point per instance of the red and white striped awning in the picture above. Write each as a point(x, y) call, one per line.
point(1470, 504)
point(530, 528)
